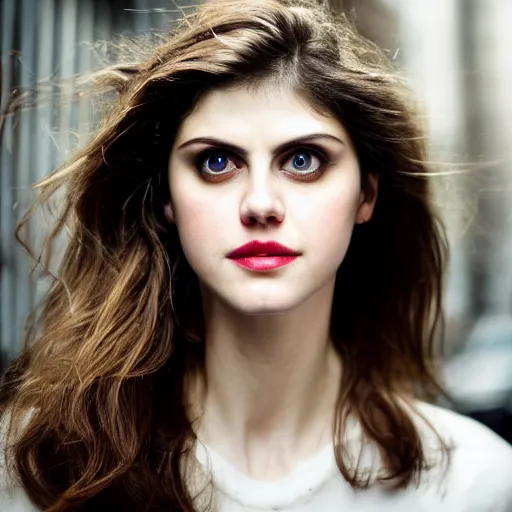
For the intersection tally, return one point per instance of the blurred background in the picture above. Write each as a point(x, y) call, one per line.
point(455, 54)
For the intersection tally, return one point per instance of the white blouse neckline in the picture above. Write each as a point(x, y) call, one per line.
point(309, 476)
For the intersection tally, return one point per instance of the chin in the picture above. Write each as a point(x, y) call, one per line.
point(263, 310)
point(251, 304)
point(258, 298)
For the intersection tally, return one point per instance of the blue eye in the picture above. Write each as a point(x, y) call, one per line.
point(303, 162)
point(216, 163)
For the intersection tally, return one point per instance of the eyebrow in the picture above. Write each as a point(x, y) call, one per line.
point(212, 141)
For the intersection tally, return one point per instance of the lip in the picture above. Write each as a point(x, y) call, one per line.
point(257, 248)
point(263, 256)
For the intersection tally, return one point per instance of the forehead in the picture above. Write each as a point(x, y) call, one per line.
point(267, 112)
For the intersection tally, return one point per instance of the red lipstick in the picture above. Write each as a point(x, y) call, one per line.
point(262, 256)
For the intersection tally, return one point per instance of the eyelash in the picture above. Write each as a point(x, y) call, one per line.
point(314, 151)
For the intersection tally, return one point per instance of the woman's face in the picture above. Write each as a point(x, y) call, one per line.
point(264, 167)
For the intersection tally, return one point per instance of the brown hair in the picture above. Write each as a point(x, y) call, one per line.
point(99, 388)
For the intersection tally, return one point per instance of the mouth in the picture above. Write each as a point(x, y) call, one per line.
point(263, 256)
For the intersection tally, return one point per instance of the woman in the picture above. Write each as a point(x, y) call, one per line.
point(245, 315)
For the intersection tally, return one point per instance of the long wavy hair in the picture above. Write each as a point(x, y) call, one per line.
point(96, 402)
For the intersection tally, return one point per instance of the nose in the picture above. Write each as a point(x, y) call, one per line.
point(262, 204)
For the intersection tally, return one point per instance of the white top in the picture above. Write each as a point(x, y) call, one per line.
point(479, 479)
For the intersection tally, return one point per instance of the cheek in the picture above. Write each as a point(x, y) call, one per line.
point(327, 221)
point(335, 226)
point(199, 220)
point(330, 216)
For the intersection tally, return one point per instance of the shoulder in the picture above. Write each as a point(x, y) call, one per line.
point(479, 467)
point(467, 437)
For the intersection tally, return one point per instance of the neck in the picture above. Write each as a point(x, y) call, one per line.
point(271, 381)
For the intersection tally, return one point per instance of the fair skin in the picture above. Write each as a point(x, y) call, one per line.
point(271, 372)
